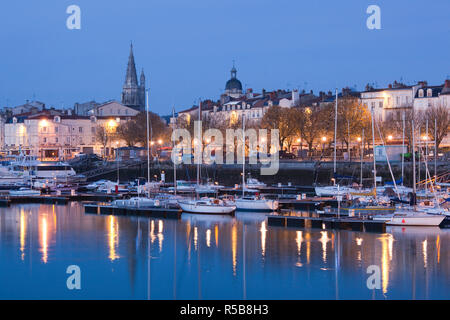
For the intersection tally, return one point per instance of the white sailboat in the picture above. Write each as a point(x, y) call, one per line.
point(254, 203)
point(206, 206)
point(411, 218)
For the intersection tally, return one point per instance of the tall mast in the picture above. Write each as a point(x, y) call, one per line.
point(243, 154)
point(148, 145)
point(335, 132)
point(403, 147)
point(362, 156)
point(414, 160)
point(426, 155)
point(173, 148)
point(199, 141)
point(435, 152)
point(373, 153)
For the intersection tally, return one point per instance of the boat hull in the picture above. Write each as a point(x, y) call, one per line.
point(206, 209)
point(428, 220)
point(258, 205)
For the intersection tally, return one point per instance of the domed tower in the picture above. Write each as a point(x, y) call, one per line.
point(233, 87)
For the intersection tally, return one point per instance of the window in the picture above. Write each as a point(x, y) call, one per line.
point(44, 140)
point(93, 139)
point(380, 104)
point(80, 129)
point(421, 93)
point(56, 140)
point(429, 93)
point(44, 129)
point(93, 130)
point(56, 129)
point(372, 105)
point(398, 101)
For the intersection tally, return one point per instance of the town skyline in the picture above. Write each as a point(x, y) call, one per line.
point(192, 62)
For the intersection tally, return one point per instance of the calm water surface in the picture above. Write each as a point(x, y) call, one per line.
point(211, 257)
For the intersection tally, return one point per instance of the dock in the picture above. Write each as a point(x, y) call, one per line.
point(105, 209)
point(354, 224)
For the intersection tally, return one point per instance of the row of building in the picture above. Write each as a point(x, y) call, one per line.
point(387, 103)
point(48, 133)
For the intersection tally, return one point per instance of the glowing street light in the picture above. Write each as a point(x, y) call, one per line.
point(324, 139)
point(390, 137)
point(358, 139)
point(160, 142)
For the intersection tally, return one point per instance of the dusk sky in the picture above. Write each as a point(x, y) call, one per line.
point(187, 47)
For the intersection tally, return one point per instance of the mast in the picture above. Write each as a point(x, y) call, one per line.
point(243, 154)
point(362, 157)
point(199, 141)
point(414, 162)
point(403, 147)
point(373, 153)
point(148, 146)
point(335, 132)
point(426, 156)
point(435, 152)
point(173, 148)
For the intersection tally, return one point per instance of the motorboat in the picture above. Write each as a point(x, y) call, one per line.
point(410, 218)
point(206, 206)
point(332, 191)
point(137, 202)
point(24, 192)
point(94, 185)
point(255, 203)
point(253, 183)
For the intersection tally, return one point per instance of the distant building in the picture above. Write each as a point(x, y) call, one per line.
point(112, 109)
point(29, 106)
point(234, 102)
point(133, 94)
point(82, 109)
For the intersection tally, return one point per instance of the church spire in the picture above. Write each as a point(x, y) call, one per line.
point(131, 77)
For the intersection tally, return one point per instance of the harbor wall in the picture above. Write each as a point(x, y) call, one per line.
point(295, 172)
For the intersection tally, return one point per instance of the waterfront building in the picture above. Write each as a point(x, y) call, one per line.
point(57, 134)
point(234, 103)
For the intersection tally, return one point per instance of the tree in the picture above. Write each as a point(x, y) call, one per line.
point(351, 119)
point(441, 116)
point(135, 131)
point(283, 119)
point(103, 136)
point(312, 124)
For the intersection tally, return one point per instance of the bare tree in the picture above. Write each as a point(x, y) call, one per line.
point(442, 116)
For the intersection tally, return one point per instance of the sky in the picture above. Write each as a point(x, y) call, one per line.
point(187, 47)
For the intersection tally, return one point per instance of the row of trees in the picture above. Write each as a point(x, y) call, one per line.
point(313, 126)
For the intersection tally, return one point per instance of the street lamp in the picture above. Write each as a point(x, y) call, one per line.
point(390, 137)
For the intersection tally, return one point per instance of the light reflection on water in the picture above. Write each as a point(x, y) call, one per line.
point(202, 257)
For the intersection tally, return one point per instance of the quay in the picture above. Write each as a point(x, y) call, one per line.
point(354, 224)
point(105, 209)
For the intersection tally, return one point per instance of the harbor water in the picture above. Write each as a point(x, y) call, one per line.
point(211, 257)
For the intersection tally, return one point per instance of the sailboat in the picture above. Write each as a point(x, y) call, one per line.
point(412, 216)
point(252, 202)
point(205, 205)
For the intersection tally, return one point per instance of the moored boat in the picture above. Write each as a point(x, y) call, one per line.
point(206, 206)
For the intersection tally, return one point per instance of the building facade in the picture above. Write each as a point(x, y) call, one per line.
point(58, 135)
